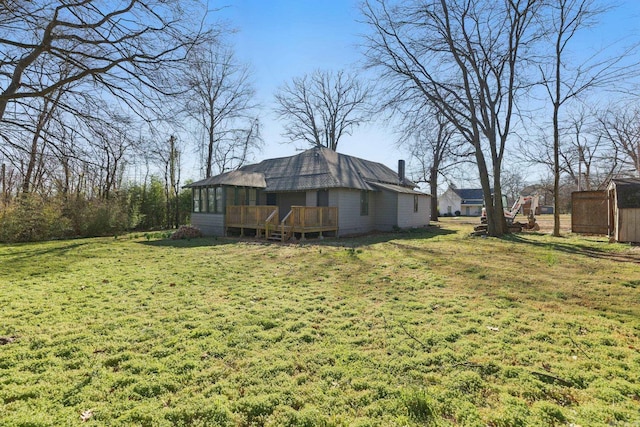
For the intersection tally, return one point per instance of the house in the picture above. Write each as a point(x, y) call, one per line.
point(461, 201)
point(624, 209)
point(316, 191)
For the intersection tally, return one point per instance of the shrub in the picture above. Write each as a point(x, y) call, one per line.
point(32, 218)
point(186, 232)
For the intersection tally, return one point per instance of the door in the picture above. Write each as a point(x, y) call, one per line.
point(322, 198)
point(590, 212)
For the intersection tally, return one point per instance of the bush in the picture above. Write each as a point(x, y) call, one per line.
point(186, 232)
point(31, 218)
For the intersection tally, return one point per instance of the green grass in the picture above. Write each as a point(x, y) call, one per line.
point(408, 329)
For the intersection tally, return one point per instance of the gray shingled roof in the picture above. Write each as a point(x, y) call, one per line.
point(312, 169)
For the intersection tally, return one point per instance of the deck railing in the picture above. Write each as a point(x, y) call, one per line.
point(250, 216)
point(271, 223)
point(310, 219)
point(300, 219)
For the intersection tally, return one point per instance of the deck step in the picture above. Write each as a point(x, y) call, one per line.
point(277, 236)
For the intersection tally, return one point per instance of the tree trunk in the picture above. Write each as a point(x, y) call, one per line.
point(433, 188)
point(496, 224)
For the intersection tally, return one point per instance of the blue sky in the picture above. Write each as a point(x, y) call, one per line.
point(282, 39)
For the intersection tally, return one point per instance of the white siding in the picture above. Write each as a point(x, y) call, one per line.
point(387, 212)
point(449, 202)
point(407, 218)
point(349, 219)
point(209, 224)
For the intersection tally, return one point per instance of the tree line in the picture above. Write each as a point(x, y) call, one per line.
point(90, 90)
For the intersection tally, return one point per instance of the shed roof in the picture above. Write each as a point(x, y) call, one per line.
point(316, 168)
point(627, 192)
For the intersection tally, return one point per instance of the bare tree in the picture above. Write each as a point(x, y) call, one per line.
point(119, 45)
point(512, 184)
point(322, 107)
point(584, 154)
point(465, 58)
point(621, 128)
point(172, 182)
point(167, 155)
point(435, 149)
point(221, 101)
point(112, 142)
point(563, 80)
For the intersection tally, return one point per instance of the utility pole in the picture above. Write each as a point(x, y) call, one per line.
point(580, 160)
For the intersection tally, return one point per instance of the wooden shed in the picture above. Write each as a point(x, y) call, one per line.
point(624, 209)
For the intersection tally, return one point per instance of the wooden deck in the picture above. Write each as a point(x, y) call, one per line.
point(299, 220)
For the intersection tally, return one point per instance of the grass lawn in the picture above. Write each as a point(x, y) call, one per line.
point(410, 329)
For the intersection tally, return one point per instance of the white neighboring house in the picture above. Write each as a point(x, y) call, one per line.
point(461, 201)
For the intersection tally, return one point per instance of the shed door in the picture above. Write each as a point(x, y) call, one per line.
point(589, 212)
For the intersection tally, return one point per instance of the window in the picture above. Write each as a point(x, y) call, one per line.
point(415, 203)
point(196, 200)
point(219, 200)
point(211, 199)
point(322, 198)
point(241, 196)
point(364, 203)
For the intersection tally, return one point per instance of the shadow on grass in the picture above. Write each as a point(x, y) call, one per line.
point(577, 248)
point(192, 243)
point(384, 237)
point(355, 241)
point(31, 257)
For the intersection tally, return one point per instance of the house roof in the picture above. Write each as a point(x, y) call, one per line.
point(316, 168)
point(470, 196)
point(396, 188)
point(627, 192)
point(238, 178)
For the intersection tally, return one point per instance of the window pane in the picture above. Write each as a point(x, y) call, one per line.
point(196, 200)
point(364, 203)
point(219, 203)
point(241, 196)
point(211, 199)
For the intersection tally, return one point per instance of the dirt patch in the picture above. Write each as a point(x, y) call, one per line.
point(546, 223)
